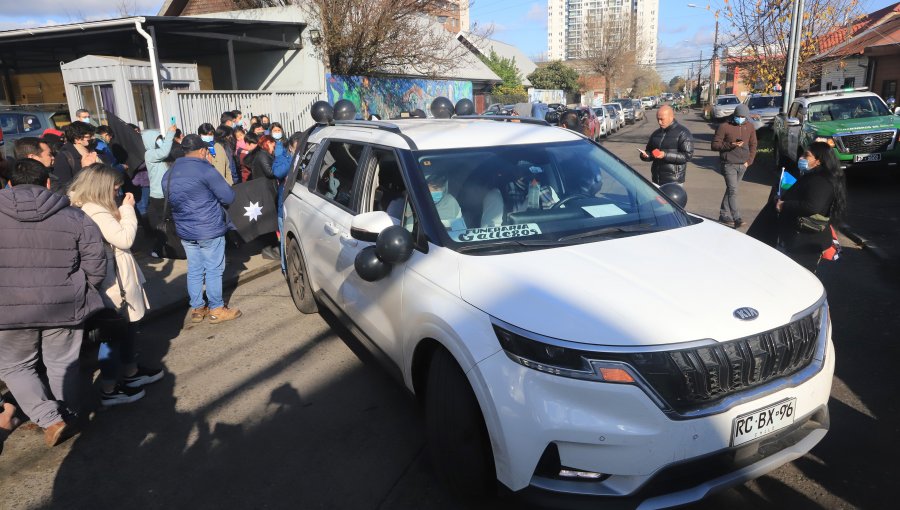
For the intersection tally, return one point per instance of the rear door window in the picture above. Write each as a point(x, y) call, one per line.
point(337, 174)
point(9, 123)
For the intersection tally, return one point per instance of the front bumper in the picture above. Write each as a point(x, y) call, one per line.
point(888, 158)
point(617, 431)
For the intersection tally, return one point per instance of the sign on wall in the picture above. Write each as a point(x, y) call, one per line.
point(387, 97)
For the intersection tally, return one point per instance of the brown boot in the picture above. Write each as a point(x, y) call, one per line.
point(198, 314)
point(217, 315)
point(56, 433)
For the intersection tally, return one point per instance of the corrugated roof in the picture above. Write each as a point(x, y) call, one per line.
point(885, 32)
point(836, 37)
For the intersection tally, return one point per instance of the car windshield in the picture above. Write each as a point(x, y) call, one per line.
point(519, 197)
point(757, 103)
point(847, 108)
point(727, 100)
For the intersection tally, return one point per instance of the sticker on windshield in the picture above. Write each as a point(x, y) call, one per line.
point(492, 233)
point(604, 210)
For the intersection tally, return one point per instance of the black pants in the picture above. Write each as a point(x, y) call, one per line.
point(155, 217)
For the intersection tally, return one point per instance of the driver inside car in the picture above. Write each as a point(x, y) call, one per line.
point(447, 207)
point(528, 191)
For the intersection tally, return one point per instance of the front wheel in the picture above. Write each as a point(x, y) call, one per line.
point(298, 280)
point(457, 437)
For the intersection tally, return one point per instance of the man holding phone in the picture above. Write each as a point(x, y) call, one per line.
point(735, 140)
point(669, 149)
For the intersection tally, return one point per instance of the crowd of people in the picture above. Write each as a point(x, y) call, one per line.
point(72, 205)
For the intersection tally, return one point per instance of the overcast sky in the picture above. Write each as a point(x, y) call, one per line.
point(684, 32)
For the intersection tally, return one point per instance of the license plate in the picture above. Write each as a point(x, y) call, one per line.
point(761, 422)
point(864, 158)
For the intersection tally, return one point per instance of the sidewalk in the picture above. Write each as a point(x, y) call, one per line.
point(166, 285)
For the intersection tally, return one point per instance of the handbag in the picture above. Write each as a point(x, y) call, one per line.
point(171, 243)
point(109, 324)
point(812, 224)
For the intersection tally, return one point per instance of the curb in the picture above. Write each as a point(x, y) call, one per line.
point(862, 241)
point(234, 281)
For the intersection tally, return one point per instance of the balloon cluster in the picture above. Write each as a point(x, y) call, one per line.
point(393, 246)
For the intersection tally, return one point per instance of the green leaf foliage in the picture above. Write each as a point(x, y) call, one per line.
point(555, 75)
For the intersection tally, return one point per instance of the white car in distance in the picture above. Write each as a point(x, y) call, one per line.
point(516, 277)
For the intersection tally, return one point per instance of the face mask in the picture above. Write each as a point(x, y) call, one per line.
point(86, 120)
point(265, 125)
point(277, 136)
point(803, 165)
point(739, 120)
point(436, 196)
point(206, 138)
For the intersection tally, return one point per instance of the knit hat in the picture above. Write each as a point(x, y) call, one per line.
point(742, 111)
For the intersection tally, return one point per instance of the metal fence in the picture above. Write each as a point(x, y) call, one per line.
point(192, 108)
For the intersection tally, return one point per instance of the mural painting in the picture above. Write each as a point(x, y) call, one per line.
point(388, 97)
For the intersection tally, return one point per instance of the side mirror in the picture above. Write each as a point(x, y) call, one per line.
point(897, 110)
point(675, 192)
point(367, 226)
point(793, 121)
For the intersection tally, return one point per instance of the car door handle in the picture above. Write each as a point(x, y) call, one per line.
point(347, 239)
point(331, 229)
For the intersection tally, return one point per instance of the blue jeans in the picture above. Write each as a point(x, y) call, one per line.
point(112, 356)
point(141, 204)
point(206, 261)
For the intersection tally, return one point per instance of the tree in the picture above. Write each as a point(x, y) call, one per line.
point(510, 90)
point(761, 33)
point(676, 84)
point(366, 37)
point(609, 47)
point(555, 75)
point(645, 81)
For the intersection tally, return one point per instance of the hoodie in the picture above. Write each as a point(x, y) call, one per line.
point(53, 260)
point(155, 159)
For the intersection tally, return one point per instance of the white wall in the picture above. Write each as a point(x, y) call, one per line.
point(835, 73)
point(282, 70)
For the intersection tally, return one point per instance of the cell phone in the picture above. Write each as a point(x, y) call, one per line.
point(642, 151)
point(738, 140)
point(172, 120)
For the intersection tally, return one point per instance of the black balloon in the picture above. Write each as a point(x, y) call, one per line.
point(369, 267)
point(394, 245)
point(465, 106)
point(442, 108)
point(322, 112)
point(675, 192)
point(344, 110)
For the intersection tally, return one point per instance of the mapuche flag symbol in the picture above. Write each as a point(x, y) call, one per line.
point(253, 211)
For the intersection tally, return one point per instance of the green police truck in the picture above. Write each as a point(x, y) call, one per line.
point(857, 123)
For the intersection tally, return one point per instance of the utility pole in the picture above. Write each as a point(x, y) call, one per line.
point(793, 55)
point(714, 64)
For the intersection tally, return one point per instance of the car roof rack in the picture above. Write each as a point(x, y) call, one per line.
point(835, 91)
point(506, 118)
point(371, 124)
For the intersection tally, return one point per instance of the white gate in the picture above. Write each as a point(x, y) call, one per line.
point(192, 108)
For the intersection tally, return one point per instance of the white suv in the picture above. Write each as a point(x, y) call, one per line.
point(567, 327)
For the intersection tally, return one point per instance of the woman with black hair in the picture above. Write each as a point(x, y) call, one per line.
point(224, 138)
point(811, 206)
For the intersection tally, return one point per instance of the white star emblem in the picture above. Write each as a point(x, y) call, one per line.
point(254, 211)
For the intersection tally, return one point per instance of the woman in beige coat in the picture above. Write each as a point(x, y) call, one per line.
point(95, 190)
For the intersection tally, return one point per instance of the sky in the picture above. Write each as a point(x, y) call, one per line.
point(685, 33)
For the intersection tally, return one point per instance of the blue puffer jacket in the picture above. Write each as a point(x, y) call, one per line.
point(197, 195)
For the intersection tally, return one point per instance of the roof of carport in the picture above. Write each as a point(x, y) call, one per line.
point(178, 38)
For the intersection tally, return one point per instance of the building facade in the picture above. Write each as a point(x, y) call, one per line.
point(566, 20)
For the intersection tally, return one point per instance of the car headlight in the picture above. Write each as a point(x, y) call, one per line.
point(827, 139)
point(562, 361)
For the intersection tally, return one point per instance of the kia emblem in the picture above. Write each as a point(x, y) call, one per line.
point(746, 313)
point(868, 140)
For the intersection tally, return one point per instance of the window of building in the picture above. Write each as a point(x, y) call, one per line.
point(889, 89)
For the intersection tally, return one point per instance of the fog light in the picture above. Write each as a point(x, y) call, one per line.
point(571, 473)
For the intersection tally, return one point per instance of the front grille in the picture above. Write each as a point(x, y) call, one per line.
point(691, 379)
point(868, 142)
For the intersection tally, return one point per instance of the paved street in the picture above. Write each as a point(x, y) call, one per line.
point(282, 410)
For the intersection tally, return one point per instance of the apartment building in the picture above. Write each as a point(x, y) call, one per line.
point(566, 20)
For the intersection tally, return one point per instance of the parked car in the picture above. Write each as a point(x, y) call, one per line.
point(606, 121)
point(500, 109)
point(647, 102)
point(590, 124)
point(855, 122)
point(628, 108)
point(725, 105)
point(638, 110)
point(620, 113)
point(16, 122)
point(549, 342)
point(763, 108)
point(613, 116)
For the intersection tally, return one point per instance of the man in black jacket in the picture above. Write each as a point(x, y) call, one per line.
point(670, 148)
point(75, 154)
point(53, 261)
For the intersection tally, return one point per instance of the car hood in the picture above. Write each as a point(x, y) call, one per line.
point(864, 124)
point(657, 288)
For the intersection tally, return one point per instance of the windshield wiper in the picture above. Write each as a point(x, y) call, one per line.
point(640, 227)
point(508, 243)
